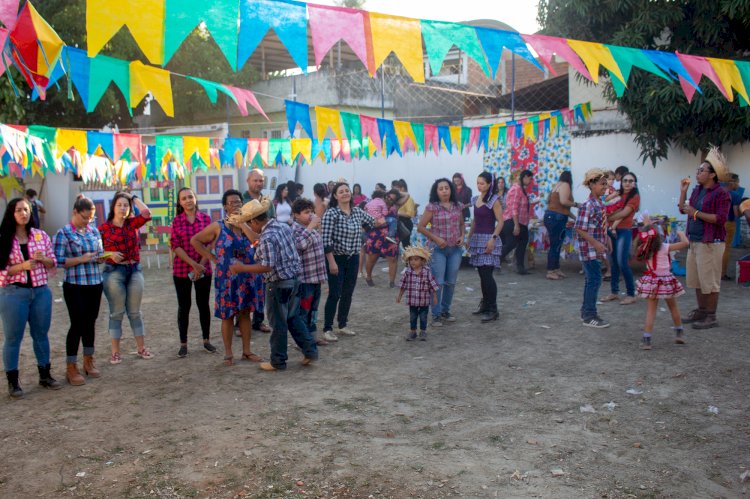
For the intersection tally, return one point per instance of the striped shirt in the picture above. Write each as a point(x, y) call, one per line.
point(342, 233)
point(278, 251)
point(310, 248)
point(592, 219)
point(38, 241)
point(69, 243)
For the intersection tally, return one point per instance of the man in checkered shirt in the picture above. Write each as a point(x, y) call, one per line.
point(592, 243)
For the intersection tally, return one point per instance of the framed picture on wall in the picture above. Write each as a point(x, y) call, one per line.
point(227, 182)
point(213, 185)
point(200, 185)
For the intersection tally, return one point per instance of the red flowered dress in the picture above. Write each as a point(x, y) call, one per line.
point(239, 292)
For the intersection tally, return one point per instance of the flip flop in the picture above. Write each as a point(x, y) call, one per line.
point(251, 357)
point(228, 360)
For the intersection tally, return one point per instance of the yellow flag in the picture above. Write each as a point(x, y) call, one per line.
point(71, 138)
point(729, 76)
point(144, 79)
point(529, 130)
point(303, 147)
point(144, 18)
point(594, 55)
point(455, 132)
point(50, 44)
point(403, 131)
point(403, 37)
point(199, 145)
point(327, 118)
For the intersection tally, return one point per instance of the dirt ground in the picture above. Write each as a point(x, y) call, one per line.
point(477, 410)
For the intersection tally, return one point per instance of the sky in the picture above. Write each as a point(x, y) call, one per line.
point(519, 14)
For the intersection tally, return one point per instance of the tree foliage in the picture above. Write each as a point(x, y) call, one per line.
point(659, 113)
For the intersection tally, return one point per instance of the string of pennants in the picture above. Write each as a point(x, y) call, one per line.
point(238, 26)
point(119, 157)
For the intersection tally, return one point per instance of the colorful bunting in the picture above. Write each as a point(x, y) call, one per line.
point(369, 127)
point(286, 17)
point(403, 37)
point(9, 12)
point(36, 47)
point(145, 79)
point(697, 67)
point(327, 118)
point(183, 16)
point(104, 70)
point(494, 41)
point(594, 55)
point(296, 112)
point(440, 37)
point(388, 137)
point(547, 46)
point(301, 147)
point(259, 148)
point(196, 146)
point(729, 76)
point(144, 19)
point(100, 143)
point(352, 126)
point(328, 25)
point(212, 89)
point(67, 139)
point(243, 97)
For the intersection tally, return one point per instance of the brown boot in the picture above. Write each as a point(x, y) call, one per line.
point(89, 367)
point(707, 323)
point(695, 315)
point(73, 376)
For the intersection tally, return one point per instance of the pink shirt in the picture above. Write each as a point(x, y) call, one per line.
point(38, 241)
point(663, 265)
point(517, 203)
point(377, 209)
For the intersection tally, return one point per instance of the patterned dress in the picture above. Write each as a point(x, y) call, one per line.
point(484, 225)
point(240, 292)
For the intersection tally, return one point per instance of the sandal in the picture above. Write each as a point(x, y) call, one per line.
point(611, 297)
point(115, 359)
point(252, 357)
point(264, 328)
point(145, 354)
point(369, 281)
point(628, 300)
point(228, 360)
point(553, 276)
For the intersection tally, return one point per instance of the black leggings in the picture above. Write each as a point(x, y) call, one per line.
point(183, 285)
point(83, 303)
point(518, 242)
point(489, 286)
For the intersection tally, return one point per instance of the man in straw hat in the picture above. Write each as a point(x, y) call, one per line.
point(277, 259)
point(707, 213)
point(592, 244)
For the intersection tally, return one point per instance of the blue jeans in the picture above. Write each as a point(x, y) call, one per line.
point(421, 313)
point(19, 306)
point(282, 299)
point(445, 264)
point(619, 259)
point(340, 290)
point(593, 271)
point(555, 224)
point(123, 287)
point(309, 300)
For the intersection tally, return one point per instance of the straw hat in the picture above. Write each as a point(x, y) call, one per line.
point(719, 163)
point(249, 211)
point(592, 174)
point(419, 251)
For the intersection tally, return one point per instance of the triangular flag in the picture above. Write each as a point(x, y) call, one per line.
point(729, 76)
point(279, 151)
point(66, 139)
point(440, 36)
point(220, 18)
point(593, 55)
point(444, 138)
point(547, 46)
point(670, 63)
point(9, 12)
point(418, 129)
point(405, 135)
point(370, 129)
point(296, 112)
point(431, 140)
point(104, 70)
point(144, 19)
point(243, 97)
point(388, 137)
point(145, 79)
point(54, 77)
point(484, 138)
point(744, 68)
point(286, 17)
point(103, 141)
point(79, 71)
point(212, 89)
point(233, 152)
point(169, 149)
point(473, 137)
point(697, 67)
point(47, 135)
point(127, 143)
point(257, 147)
point(494, 135)
point(352, 126)
point(301, 147)
point(403, 37)
point(36, 47)
point(326, 118)
point(493, 41)
point(328, 25)
point(456, 139)
point(196, 145)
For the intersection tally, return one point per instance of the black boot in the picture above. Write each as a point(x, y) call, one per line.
point(14, 389)
point(46, 380)
point(490, 314)
point(480, 310)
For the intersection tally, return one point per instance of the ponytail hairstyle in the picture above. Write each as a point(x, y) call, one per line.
point(490, 179)
point(82, 203)
point(650, 243)
point(8, 230)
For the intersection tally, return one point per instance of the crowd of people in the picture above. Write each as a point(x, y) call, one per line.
point(269, 259)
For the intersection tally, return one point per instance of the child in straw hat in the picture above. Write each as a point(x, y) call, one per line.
point(420, 288)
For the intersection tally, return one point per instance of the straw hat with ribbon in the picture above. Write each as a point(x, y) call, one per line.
point(719, 163)
point(419, 251)
point(250, 210)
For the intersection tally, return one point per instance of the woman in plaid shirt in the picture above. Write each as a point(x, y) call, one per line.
point(25, 259)
point(78, 248)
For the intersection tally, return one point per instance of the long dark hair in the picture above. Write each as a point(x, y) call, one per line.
point(523, 175)
point(291, 193)
point(651, 245)
point(320, 190)
point(119, 195)
point(277, 198)
point(633, 191)
point(490, 179)
point(180, 210)
point(356, 187)
point(567, 177)
point(8, 230)
point(333, 203)
point(433, 191)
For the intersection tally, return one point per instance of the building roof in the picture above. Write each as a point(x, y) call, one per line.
point(543, 96)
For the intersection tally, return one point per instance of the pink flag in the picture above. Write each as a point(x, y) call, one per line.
point(257, 146)
point(335, 149)
point(127, 141)
point(346, 150)
point(242, 97)
point(546, 46)
point(329, 24)
point(473, 137)
point(431, 139)
point(696, 67)
point(370, 129)
point(9, 12)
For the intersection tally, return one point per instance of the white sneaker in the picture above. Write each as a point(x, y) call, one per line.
point(329, 336)
point(346, 331)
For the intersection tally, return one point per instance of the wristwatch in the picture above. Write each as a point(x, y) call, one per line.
point(495, 236)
